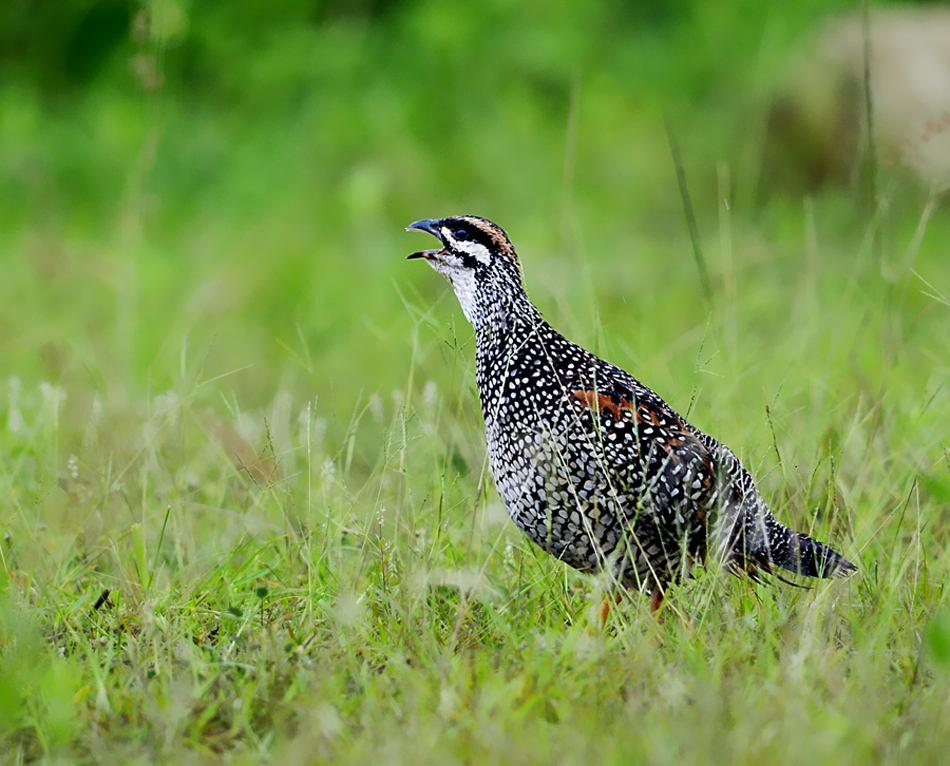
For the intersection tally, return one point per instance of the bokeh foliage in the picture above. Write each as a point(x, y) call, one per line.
point(229, 402)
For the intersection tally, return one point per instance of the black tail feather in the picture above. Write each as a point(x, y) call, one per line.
point(812, 558)
point(765, 544)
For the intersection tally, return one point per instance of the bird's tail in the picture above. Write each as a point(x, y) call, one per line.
point(764, 544)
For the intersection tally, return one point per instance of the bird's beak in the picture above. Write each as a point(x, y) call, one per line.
point(431, 225)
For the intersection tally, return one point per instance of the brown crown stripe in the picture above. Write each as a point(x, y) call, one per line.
point(494, 232)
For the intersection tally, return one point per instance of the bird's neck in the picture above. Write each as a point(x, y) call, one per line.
point(503, 326)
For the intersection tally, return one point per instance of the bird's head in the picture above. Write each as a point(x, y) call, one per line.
point(477, 258)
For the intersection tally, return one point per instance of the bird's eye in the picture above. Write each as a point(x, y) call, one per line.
point(460, 234)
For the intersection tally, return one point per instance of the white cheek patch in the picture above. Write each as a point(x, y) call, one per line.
point(477, 250)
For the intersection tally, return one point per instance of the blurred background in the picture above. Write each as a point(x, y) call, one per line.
point(204, 208)
point(221, 383)
point(227, 183)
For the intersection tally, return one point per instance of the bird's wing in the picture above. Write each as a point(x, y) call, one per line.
point(697, 486)
point(668, 446)
point(723, 483)
point(675, 470)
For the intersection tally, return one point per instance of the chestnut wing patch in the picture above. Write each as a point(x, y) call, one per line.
point(598, 402)
point(659, 428)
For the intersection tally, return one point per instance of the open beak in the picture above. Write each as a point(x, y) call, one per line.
point(433, 226)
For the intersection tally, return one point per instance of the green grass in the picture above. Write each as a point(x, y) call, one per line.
point(229, 403)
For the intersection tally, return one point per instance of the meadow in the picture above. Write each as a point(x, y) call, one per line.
point(245, 512)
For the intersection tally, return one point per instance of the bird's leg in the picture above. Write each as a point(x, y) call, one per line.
point(606, 606)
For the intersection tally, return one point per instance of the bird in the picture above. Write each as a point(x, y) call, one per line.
point(592, 465)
